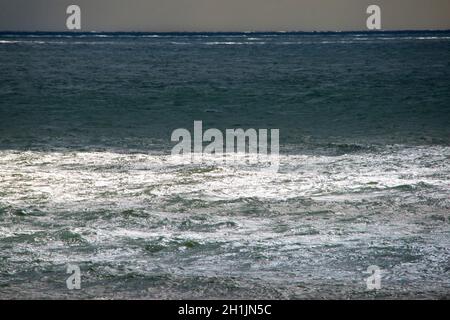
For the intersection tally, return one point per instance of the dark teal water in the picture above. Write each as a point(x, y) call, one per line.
point(126, 90)
point(85, 176)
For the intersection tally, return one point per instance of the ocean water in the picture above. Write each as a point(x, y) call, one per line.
point(86, 176)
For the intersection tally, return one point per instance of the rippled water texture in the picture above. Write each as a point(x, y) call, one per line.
point(86, 175)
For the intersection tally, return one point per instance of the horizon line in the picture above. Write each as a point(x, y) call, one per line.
point(222, 32)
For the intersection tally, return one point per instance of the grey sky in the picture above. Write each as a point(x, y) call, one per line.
point(222, 15)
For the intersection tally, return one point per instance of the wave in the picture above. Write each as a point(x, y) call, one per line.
point(234, 43)
point(127, 218)
point(100, 178)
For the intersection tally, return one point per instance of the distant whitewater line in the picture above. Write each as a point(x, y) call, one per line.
point(200, 33)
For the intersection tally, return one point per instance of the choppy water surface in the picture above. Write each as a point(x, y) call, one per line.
point(86, 177)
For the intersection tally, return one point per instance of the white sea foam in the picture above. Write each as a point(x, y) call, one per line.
point(237, 43)
point(83, 178)
point(142, 214)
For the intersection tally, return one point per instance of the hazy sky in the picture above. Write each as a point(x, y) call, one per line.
point(222, 15)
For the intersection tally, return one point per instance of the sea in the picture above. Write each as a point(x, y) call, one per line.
point(359, 207)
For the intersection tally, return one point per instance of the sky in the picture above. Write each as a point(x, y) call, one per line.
point(223, 15)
